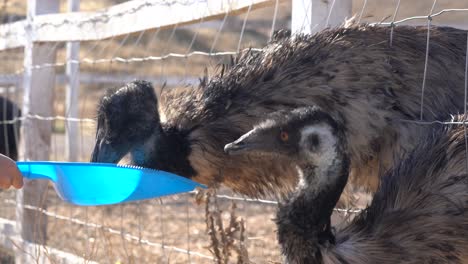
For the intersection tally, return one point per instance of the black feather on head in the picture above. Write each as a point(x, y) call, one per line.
point(127, 116)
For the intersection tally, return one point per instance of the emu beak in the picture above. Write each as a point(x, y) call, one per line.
point(244, 144)
point(239, 147)
point(105, 153)
point(233, 148)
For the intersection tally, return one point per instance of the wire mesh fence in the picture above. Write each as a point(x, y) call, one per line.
point(188, 228)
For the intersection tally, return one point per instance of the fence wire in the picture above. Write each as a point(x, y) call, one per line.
point(215, 52)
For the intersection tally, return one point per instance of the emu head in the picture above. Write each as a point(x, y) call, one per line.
point(303, 135)
point(128, 122)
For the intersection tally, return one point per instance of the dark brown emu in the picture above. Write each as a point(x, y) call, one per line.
point(418, 215)
point(352, 73)
point(9, 128)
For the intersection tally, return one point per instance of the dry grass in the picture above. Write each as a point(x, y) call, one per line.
point(173, 221)
point(241, 232)
point(225, 241)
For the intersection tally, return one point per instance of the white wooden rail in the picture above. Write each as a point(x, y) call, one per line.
point(130, 17)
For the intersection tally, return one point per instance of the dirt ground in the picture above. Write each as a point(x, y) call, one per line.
point(136, 232)
point(175, 221)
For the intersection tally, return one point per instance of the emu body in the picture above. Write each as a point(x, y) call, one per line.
point(9, 132)
point(419, 214)
point(352, 73)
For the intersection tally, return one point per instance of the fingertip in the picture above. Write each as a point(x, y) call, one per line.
point(18, 182)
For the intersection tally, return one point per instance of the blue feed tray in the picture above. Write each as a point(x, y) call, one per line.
point(92, 184)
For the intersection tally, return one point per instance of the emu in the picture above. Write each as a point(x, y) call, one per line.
point(367, 85)
point(9, 132)
point(418, 215)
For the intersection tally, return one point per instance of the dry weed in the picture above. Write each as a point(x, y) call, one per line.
point(225, 229)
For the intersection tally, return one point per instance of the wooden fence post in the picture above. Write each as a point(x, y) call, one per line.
point(72, 73)
point(38, 95)
point(312, 16)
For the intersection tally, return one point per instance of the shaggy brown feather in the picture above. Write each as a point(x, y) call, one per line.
point(352, 73)
point(420, 212)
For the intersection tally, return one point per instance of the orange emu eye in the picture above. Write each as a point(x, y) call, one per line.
point(284, 136)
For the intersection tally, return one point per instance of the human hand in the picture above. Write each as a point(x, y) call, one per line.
point(9, 173)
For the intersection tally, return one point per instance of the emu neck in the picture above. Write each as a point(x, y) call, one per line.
point(168, 150)
point(322, 182)
point(304, 227)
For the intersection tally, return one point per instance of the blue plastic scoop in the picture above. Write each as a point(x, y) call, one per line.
point(94, 184)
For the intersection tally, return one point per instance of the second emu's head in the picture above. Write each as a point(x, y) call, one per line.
point(306, 136)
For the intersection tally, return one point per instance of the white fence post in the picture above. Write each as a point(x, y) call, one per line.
point(38, 87)
point(72, 87)
point(312, 16)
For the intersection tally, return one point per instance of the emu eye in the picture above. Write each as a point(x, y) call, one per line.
point(284, 136)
